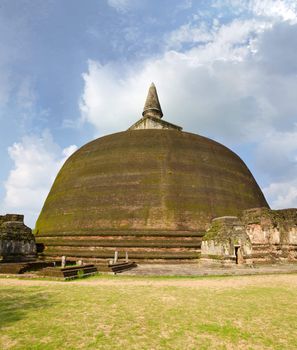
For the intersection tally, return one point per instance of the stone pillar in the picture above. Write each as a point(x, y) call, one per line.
point(115, 257)
point(63, 261)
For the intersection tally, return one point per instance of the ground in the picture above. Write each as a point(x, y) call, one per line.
point(124, 312)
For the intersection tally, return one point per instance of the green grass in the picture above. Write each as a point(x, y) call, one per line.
point(152, 316)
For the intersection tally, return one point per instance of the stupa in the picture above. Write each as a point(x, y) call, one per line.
point(151, 190)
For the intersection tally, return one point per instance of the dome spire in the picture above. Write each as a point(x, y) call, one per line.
point(152, 105)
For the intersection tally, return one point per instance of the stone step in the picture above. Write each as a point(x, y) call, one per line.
point(145, 243)
point(109, 254)
point(124, 233)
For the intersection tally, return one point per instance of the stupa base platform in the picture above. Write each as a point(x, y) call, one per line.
point(140, 246)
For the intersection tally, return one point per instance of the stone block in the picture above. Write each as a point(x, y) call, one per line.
point(17, 243)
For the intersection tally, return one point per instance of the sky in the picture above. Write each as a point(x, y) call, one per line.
point(72, 71)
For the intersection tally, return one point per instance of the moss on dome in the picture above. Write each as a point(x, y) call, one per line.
point(148, 180)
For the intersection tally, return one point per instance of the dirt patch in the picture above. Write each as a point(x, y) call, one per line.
point(207, 282)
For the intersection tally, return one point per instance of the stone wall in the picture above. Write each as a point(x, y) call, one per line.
point(226, 242)
point(17, 243)
point(259, 235)
point(273, 233)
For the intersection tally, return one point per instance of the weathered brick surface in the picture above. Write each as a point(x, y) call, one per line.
point(153, 188)
point(262, 235)
point(17, 242)
point(135, 186)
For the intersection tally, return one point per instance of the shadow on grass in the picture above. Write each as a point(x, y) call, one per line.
point(16, 303)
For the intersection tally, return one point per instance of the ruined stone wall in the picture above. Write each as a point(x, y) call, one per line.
point(273, 234)
point(17, 243)
point(259, 235)
point(226, 242)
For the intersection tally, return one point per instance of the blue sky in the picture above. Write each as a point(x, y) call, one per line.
point(71, 71)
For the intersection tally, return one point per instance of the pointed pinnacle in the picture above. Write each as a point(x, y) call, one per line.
point(152, 105)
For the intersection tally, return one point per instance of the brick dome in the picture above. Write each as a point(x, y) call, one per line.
point(143, 183)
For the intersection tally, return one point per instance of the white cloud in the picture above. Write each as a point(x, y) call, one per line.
point(275, 10)
point(278, 9)
point(277, 154)
point(220, 39)
point(282, 194)
point(236, 83)
point(189, 33)
point(221, 88)
point(37, 160)
point(122, 5)
point(108, 100)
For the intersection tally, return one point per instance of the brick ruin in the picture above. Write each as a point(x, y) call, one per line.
point(17, 243)
point(259, 235)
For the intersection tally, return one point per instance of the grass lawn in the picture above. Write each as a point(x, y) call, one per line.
point(250, 312)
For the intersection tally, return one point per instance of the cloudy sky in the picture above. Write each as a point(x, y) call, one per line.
point(73, 70)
